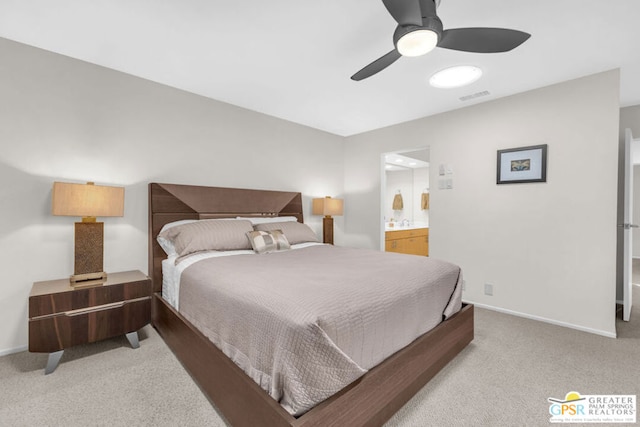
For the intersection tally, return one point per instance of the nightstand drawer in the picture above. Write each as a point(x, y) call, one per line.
point(58, 296)
point(55, 332)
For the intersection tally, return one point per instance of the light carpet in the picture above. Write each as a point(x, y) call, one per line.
point(503, 378)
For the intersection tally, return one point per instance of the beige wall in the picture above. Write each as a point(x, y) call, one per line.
point(548, 249)
point(62, 119)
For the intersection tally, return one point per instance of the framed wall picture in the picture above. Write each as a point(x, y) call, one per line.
point(524, 164)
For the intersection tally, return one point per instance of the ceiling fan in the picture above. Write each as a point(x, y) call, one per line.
point(420, 30)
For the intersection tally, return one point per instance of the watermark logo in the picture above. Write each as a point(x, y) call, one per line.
point(576, 408)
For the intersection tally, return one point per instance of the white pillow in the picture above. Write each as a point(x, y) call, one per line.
point(268, 219)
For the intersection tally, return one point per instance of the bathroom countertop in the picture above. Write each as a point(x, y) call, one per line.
point(398, 227)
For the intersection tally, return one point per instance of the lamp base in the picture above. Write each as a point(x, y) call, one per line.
point(88, 279)
point(88, 267)
point(327, 230)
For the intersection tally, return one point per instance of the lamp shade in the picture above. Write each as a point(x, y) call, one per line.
point(327, 206)
point(86, 200)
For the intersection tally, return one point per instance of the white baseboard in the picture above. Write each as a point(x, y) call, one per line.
point(544, 319)
point(13, 350)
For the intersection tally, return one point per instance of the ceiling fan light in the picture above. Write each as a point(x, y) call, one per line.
point(418, 42)
point(458, 76)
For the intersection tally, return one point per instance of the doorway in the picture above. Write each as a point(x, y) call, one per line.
point(404, 201)
point(635, 215)
point(631, 211)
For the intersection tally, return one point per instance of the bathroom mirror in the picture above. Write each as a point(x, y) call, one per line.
point(407, 180)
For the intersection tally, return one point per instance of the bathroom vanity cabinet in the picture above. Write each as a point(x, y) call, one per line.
point(413, 241)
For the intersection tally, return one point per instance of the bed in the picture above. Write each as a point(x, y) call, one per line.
point(370, 399)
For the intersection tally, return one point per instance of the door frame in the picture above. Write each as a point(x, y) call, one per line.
point(627, 224)
point(383, 187)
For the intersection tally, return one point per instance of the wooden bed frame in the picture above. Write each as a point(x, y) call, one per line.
point(369, 401)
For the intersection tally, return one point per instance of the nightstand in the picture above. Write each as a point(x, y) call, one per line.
point(61, 316)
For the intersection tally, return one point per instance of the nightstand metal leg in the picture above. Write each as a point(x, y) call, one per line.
point(133, 339)
point(52, 361)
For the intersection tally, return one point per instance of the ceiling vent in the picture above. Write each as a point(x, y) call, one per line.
point(474, 95)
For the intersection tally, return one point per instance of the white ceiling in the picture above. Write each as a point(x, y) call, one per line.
point(293, 58)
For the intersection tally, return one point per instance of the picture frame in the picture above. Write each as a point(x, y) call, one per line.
point(522, 165)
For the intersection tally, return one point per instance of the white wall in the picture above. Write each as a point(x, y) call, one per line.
point(63, 119)
point(549, 249)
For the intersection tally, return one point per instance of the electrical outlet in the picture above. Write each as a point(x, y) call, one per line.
point(488, 289)
point(464, 285)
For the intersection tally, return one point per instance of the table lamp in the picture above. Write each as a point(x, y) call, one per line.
point(87, 201)
point(327, 207)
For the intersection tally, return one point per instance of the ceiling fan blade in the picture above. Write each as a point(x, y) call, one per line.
point(482, 40)
point(405, 12)
point(377, 66)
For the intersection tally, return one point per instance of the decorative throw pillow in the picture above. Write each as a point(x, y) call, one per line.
point(264, 242)
point(296, 232)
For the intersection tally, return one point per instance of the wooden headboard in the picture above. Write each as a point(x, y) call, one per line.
point(173, 202)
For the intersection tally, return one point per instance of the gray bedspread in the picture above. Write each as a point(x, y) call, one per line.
point(305, 323)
